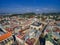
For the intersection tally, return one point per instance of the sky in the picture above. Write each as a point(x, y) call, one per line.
point(23, 6)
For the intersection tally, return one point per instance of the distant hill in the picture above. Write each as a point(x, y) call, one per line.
point(58, 13)
point(31, 13)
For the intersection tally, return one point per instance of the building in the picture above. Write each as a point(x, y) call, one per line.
point(6, 38)
point(37, 26)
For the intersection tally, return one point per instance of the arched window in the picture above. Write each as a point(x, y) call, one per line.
point(31, 27)
point(34, 28)
point(39, 29)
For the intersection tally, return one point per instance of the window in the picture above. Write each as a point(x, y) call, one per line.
point(5, 42)
point(34, 28)
point(31, 27)
point(39, 28)
point(2, 43)
point(8, 40)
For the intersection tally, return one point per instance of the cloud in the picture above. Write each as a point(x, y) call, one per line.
point(52, 9)
point(48, 9)
point(45, 8)
point(37, 9)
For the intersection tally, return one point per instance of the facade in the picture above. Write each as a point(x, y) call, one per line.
point(36, 26)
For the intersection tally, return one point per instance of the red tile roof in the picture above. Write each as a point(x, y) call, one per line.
point(5, 36)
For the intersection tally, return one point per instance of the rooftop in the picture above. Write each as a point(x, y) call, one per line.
point(36, 24)
point(4, 36)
